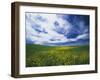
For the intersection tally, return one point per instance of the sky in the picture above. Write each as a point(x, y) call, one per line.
point(56, 29)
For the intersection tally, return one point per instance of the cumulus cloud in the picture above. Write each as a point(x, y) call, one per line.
point(52, 28)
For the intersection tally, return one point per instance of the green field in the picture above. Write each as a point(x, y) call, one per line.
point(38, 55)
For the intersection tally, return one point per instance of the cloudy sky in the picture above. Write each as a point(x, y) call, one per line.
point(56, 29)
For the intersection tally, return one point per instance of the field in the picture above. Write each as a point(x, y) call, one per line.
point(38, 55)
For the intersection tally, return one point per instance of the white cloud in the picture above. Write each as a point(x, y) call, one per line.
point(36, 21)
point(83, 36)
point(48, 25)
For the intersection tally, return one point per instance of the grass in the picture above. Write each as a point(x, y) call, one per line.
point(38, 55)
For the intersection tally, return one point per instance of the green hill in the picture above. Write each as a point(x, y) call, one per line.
point(38, 55)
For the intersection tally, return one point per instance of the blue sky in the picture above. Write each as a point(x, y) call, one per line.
point(56, 29)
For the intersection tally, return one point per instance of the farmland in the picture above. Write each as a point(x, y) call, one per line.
point(39, 55)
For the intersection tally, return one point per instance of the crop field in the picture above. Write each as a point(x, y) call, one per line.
point(39, 55)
